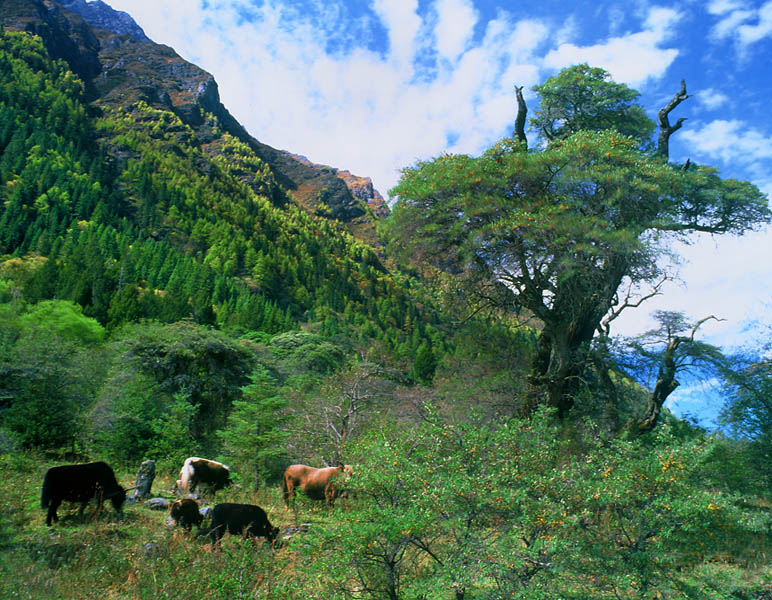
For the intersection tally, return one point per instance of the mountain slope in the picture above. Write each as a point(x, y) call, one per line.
point(151, 201)
point(121, 65)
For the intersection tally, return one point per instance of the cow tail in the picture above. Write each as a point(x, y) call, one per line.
point(45, 496)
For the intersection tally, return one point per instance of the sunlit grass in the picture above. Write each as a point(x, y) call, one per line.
point(135, 554)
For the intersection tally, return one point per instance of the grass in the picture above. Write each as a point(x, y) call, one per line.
point(135, 554)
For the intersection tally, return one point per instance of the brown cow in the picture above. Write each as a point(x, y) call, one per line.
point(319, 484)
point(185, 512)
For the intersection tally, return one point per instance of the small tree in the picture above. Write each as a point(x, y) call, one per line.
point(254, 435)
point(173, 439)
point(659, 356)
point(748, 413)
point(425, 364)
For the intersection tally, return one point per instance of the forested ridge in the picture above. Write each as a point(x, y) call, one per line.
point(166, 291)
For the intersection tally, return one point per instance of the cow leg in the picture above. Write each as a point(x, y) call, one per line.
point(329, 495)
point(289, 492)
point(253, 530)
point(52, 516)
point(216, 533)
point(100, 501)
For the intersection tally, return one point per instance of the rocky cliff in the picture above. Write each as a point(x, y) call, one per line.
point(98, 14)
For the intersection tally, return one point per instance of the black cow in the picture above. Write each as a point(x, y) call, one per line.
point(80, 483)
point(203, 471)
point(186, 513)
point(241, 519)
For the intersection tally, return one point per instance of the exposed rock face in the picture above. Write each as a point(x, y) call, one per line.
point(120, 65)
point(99, 14)
point(362, 188)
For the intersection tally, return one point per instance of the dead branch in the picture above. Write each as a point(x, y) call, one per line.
point(665, 128)
point(522, 110)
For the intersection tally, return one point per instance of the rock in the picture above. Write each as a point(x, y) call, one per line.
point(144, 482)
point(99, 14)
point(151, 550)
point(158, 504)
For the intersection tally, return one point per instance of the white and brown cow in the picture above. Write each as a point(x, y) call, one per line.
point(202, 471)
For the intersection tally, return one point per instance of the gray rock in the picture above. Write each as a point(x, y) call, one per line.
point(144, 482)
point(158, 504)
point(151, 550)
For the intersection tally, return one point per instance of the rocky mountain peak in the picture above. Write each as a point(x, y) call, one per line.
point(99, 14)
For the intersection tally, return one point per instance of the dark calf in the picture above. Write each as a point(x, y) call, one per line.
point(186, 513)
point(241, 519)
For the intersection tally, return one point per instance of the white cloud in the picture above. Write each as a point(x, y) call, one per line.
point(712, 99)
point(720, 7)
point(720, 276)
point(455, 26)
point(730, 141)
point(750, 34)
point(370, 112)
point(746, 25)
point(631, 59)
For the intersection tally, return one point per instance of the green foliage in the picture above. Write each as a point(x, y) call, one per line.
point(425, 364)
point(556, 232)
point(207, 368)
point(748, 415)
point(517, 510)
point(173, 439)
point(121, 421)
point(65, 319)
point(305, 352)
point(254, 435)
point(49, 371)
point(142, 219)
point(584, 98)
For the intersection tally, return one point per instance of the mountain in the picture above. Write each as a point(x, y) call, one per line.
point(100, 15)
point(119, 64)
point(127, 187)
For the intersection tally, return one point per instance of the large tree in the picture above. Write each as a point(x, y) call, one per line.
point(557, 230)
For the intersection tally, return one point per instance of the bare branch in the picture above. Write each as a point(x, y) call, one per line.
point(699, 323)
point(665, 128)
point(605, 326)
point(522, 110)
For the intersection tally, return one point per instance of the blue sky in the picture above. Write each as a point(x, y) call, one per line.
point(374, 85)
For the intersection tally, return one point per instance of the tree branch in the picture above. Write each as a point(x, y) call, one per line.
point(665, 128)
point(605, 325)
point(522, 110)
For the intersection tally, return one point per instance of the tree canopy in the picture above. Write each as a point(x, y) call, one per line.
point(557, 230)
point(584, 98)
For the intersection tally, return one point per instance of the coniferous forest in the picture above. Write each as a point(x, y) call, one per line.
point(171, 287)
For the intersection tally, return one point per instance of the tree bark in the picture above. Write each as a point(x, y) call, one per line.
point(665, 128)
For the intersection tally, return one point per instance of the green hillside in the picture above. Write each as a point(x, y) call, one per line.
point(139, 218)
point(170, 287)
